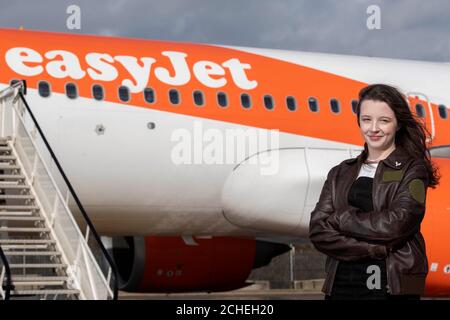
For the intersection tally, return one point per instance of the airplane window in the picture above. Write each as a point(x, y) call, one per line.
point(14, 81)
point(334, 105)
point(71, 90)
point(149, 95)
point(268, 102)
point(313, 105)
point(97, 92)
point(420, 110)
point(24, 83)
point(198, 98)
point(291, 103)
point(354, 105)
point(174, 96)
point(222, 99)
point(44, 89)
point(245, 101)
point(443, 113)
point(124, 94)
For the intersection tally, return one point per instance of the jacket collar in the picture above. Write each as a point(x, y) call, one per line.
point(396, 159)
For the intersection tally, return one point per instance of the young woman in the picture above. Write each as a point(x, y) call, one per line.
point(367, 220)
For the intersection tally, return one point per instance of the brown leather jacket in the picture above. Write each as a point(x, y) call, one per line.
point(391, 231)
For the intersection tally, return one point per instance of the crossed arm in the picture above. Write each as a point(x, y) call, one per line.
point(351, 234)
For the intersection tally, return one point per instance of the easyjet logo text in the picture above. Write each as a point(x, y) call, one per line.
point(141, 72)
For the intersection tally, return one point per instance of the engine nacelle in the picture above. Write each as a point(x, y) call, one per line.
point(169, 264)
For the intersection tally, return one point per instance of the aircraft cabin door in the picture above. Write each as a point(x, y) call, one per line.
point(420, 105)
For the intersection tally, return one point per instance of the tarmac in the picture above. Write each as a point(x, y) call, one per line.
point(259, 290)
point(272, 294)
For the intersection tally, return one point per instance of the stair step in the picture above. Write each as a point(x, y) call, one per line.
point(8, 229)
point(12, 176)
point(4, 185)
point(3, 157)
point(5, 148)
point(4, 166)
point(38, 283)
point(39, 278)
point(37, 266)
point(16, 196)
point(21, 219)
point(32, 253)
point(8, 183)
point(46, 292)
point(16, 213)
point(7, 247)
point(19, 207)
point(27, 241)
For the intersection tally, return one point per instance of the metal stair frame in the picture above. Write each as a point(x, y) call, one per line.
point(83, 271)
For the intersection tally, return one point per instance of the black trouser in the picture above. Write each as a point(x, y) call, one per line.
point(352, 281)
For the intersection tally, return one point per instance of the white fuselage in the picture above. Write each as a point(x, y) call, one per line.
point(129, 184)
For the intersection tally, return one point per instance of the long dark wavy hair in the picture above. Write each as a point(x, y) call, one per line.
point(411, 136)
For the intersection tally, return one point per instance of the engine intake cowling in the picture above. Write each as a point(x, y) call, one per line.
point(168, 264)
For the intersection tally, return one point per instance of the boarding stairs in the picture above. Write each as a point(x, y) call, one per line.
point(43, 252)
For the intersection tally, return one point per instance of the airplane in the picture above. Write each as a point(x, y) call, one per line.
point(148, 134)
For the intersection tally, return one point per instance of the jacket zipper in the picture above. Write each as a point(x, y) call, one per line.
point(358, 168)
point(388, 253)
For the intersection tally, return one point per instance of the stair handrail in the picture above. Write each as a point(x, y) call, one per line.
point(77, 200)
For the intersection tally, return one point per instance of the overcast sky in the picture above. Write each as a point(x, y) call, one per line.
point(410, 29)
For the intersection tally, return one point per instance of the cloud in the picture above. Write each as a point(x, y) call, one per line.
point(411, 29)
